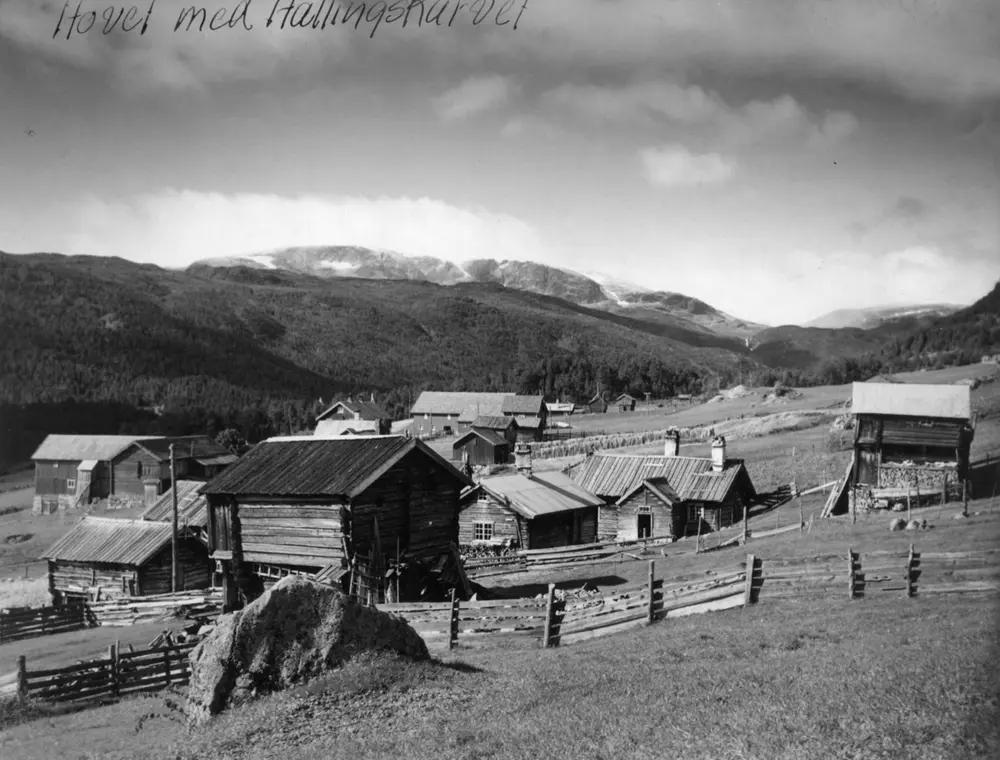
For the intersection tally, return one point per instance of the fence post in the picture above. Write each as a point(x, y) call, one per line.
point(802, 520)
point(909, 573)
point(746, 512)
point(549, 607)
point(850, 573)
point(453, 636)
point(944, 490)
point(748, 587)
point(113, 667)
point(650, 614)
point(22, 678)
point(166, 663)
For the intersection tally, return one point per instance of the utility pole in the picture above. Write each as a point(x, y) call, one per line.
point(173, 540)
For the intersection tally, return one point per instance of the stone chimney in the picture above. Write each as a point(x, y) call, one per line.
point(719, 453)
point(522, 458)
point(672, 444)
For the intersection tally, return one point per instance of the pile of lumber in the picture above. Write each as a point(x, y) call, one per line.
point(198, 605)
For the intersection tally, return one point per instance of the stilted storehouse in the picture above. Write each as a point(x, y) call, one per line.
point(667, 496)
point(102, 557)
point(361, 511)
point(528, 510)
point(909, 439)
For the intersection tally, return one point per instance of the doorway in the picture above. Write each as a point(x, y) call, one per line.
point(644, 523)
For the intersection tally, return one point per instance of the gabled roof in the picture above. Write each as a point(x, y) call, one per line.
point(659, 486)
point(598, 397)
point(368, 410)
point(615, 475)
point(192, 506)
point(489, 436)
point(627, 397)
point(560, 406)
point(309, 466)
point(105, 540)
point(543, 493)
point(333, 427)
point(494, 423)
point(445, 402)
point(531, 405)
point(528, 423)
point(83, 447)
point(912, 400)
point(187, 447)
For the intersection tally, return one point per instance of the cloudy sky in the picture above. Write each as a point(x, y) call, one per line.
point(775, 158)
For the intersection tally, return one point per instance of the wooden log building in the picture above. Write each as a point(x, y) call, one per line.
point(528, 510)
point(480, 448)
point(625, 403)
point(347, 507)
point(141, 472)
point(102, 557)
point(598, 404)
point(667, 496)
point(910, 436)
point(357, 410)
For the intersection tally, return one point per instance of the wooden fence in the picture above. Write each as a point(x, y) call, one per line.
point(119, 674)
point(551, 620)
point(16, 624)
point(26, 623)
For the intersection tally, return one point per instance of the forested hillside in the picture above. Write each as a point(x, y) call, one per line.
point(97, 344)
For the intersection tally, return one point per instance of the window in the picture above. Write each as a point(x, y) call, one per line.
point(70, 484)
point(482, 531)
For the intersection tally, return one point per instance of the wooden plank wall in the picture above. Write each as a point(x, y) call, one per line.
point(156, 576)
point(643, 502)
point(291, 533)
point(505, 521)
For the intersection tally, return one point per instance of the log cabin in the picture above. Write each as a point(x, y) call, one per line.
point(528, 510)
point(104, 557)
point(454, 413)
point(909, 437)
point(481, 448)
point(666, 496)
point(141, 472)
point(343, 507)
point(505, 426)
point(73, 470)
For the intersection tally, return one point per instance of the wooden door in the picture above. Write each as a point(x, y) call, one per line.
point(867, 468)
point(151, 493)
point(644, 525)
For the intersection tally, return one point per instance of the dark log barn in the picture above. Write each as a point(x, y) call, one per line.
point(528, 510)
point(115, 558)
point(71, 470)
point(667, 496)
point(339, 505)
point(911, 436)
point(481, 448)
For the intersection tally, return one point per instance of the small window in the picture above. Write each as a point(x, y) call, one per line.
point(70, 484)
point(482, 531)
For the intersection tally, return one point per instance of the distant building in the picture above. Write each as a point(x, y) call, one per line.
point(503, 426)
point(560, 409)
point(625, 403)
point(71, 470)
point(481, 447)
point(454, 413)
point(141, 472)
point(528, 510)
point(598, 404)
point(354, 410)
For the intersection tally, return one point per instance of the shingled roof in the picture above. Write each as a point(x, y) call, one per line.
point(198, 447)
point(110, 541)
point(444, 402)
point(309, 466)
point(528, 405)
point(192, 507)
point(614, 476)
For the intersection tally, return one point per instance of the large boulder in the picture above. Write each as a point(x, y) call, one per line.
point(293, 632)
